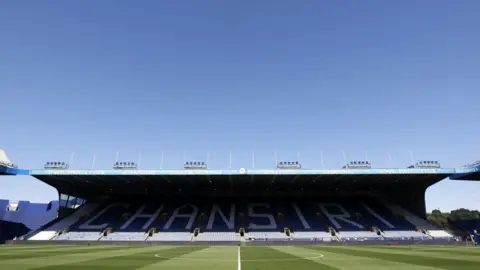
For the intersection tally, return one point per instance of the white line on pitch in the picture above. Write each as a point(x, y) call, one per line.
point(239, 264)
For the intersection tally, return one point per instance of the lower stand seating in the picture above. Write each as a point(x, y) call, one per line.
point(218, 236)
point(125, 236)
point(172, 237)
point(311, 235)
point(403, 235)
point(80, 236)
point(359, 235)
point(268, 236)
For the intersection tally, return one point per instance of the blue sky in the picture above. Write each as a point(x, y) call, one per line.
point(219, 76)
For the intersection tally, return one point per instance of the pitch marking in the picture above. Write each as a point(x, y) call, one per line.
point(239, 267)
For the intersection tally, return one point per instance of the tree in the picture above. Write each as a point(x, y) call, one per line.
point(440, 219)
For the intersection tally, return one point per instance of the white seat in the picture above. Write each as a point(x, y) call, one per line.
point(171, 236)
point(311, 235)
point(125, 236)
point(403, 234)
point(358, 234)
point(268, 235)
point(218, 236)
point(80, 236)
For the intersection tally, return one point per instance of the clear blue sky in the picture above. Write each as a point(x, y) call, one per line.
point(219, 76)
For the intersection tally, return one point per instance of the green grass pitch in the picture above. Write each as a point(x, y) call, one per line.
point(56, 257)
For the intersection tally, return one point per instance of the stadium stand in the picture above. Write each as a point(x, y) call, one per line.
point(470, 226)
point(55, 228)
point(17, 218)
point(32, 215)
point(289, 203)
point(209, 221)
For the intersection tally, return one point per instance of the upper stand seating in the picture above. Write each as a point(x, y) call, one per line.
point(223, 220)
point(381, 217)
point(353, 221)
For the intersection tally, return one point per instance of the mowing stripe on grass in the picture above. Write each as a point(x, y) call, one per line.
point(130, 261)
point(24, 254)
point(267, 258)
point(350, 262)
point(344, 261)
point(214, 257)
point(414, 259)
point(50, 247)
point(448, 250)
point(73, 257)
point(419, 252)
point(27, 247)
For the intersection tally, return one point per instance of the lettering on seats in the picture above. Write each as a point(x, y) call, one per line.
point(230, 222)
point(335, 217)
point(87, 225)
point(377, 216)
point(138, 214)
point(272, 225)
point(176, 214)
point(300, 215)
